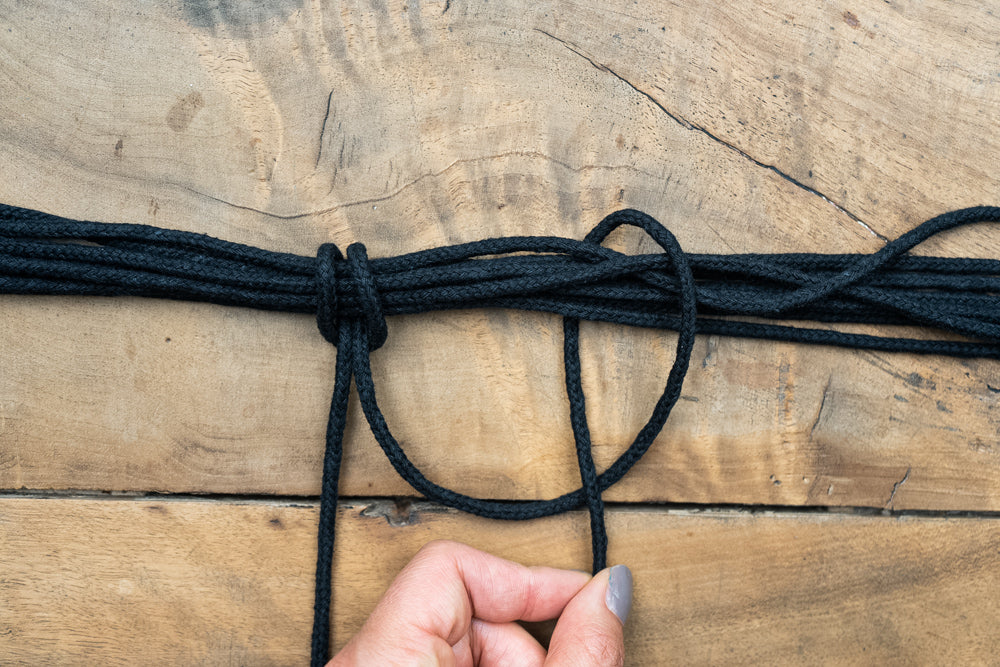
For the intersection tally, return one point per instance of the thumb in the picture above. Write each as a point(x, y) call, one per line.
point(590, 631)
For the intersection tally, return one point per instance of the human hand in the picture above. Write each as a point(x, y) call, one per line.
point(453, 605)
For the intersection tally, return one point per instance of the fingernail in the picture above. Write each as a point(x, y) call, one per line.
point(619, 595)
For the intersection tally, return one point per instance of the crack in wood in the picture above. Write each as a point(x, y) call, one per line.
point(322, 131)
point(688, 125)
point(822, 404)
point(408, 184)
point(895, 487)
point(413, 506)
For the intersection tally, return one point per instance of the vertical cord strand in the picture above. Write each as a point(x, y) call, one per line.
point(581, 437)
point(332, 458)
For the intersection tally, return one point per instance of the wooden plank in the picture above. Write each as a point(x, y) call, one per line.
point(413, 126)
point(418, 123)
point(862, 103)
point(208, 399)
point(208, 582)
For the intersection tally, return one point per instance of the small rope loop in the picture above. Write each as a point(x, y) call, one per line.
point(368, 297)
point(326, 292)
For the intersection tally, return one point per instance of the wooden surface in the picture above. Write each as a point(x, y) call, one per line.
point(748, 126)
point(184, 582)
point(212, 400)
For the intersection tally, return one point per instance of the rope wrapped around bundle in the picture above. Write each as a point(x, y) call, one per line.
point(351, 296)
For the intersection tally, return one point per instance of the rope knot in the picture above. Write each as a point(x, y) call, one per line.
point(368, 298)
point(369, 304)
point(326, 291)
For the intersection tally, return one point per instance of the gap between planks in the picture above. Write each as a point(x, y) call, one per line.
point(397, 505)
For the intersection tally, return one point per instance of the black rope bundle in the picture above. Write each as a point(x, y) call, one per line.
point(352, 295)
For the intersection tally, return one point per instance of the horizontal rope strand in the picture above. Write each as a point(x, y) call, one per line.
point(351, 296)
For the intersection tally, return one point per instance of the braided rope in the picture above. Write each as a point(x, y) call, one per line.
point(580, 280)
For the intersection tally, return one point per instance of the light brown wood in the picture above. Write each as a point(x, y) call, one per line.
point(191, 582)
point(209, 399)
point(743, 126)
point(761, 126)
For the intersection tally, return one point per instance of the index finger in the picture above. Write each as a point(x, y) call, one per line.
point(448, 583)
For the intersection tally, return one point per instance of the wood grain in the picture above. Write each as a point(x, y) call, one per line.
point(763, 126)
point(405, 124)
point(215, 400)
point(192, 582)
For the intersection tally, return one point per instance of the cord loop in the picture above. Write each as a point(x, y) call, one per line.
point(326, 292)
point(369, 305)
point(368, 297)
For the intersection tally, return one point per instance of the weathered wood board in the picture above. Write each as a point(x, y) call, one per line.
point(743, 126)
point(181, 582)
point(759, 127)
point(216, 400)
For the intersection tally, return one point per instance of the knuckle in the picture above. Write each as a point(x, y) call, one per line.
point(595, 646)
point(438, 548)
point(606, 651)
point(602, 649)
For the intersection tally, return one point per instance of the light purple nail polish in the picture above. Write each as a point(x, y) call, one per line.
point(619, 595)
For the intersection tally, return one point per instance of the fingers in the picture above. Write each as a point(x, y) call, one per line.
point(438, 593)
point(464, 582)
point(502, 591)
point(504, 645)
point(590, 632)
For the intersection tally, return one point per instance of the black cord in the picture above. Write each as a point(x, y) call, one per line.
point(580, 280)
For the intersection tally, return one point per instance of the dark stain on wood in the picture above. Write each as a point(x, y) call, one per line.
point(397, 513)
point(851, 19)
point(236, 16)
point(195, 446)
point(918, 380)
point(184, 111)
